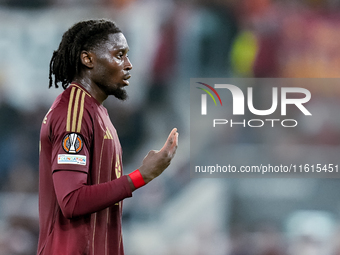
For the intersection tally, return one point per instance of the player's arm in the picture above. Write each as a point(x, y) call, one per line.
point(76, 198)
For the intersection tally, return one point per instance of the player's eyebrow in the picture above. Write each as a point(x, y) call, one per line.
point(121, 48)
point(124, 50)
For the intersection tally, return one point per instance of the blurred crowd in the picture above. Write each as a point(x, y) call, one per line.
point(169, 44)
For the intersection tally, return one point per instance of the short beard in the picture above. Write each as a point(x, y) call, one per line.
point(119, 93)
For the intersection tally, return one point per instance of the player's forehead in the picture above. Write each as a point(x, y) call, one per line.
point(116, 41)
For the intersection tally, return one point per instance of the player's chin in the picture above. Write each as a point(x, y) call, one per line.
point(120, 94)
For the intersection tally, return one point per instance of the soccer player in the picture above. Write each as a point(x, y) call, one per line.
point(81, 185)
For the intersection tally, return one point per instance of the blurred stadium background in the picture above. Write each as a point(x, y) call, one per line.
point(171, 42)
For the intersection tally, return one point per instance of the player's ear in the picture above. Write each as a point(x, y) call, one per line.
point(86, 59)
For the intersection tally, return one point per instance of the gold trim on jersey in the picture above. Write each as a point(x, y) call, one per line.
point(98, 181)
point(108, 222)
point(68, 121)
point(118, 167)
point(81, 112)
point(94, 232)
point(73, 84)
point(75, 110)
point(45, 119)
point(108, 134)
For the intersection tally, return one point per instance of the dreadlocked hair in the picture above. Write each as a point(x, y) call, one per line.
point(85, 35)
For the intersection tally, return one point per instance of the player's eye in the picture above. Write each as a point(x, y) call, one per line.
point(120, 55)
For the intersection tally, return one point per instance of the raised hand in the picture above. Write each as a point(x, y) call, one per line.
point(157, 161)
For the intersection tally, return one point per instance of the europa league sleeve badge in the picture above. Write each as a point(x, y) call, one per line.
point(72, 143)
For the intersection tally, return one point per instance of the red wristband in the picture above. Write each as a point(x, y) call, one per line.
point(137, 179)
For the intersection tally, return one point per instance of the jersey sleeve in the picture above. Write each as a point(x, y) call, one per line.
point(71, 133)
point(76, 198)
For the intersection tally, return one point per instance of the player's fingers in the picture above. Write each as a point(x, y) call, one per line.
point(174, 145)
point(171, 141)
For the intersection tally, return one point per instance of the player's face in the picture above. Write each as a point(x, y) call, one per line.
point(112, 67)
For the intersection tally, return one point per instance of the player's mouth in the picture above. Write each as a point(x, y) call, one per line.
point(125, 78)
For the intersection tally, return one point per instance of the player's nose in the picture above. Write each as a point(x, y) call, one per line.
point(128, 65)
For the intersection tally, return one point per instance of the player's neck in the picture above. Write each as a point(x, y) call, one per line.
point(92, 88)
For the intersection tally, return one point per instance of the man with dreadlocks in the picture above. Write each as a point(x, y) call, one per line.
point(81, 184)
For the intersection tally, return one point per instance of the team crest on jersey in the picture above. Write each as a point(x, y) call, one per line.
point(72, 143)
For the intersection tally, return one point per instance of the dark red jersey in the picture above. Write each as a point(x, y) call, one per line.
point(81, 186)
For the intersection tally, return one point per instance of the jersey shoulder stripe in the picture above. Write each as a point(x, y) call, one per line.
point(75, 109)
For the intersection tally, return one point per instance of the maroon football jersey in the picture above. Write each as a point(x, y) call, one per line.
point(77, 135)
